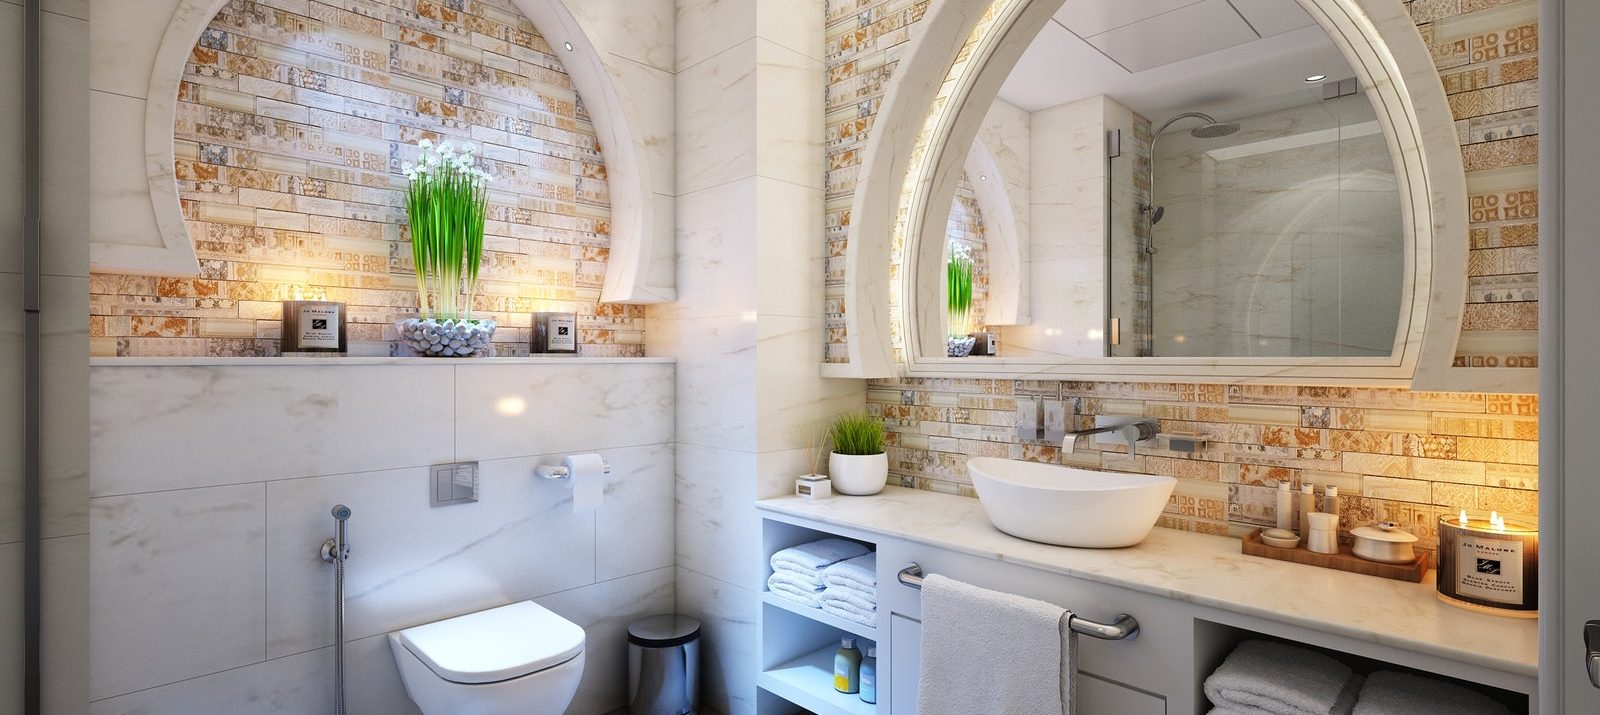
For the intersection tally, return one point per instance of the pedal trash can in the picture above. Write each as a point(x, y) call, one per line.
point(664, 666)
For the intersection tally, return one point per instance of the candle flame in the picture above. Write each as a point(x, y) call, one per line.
point(1463, 517)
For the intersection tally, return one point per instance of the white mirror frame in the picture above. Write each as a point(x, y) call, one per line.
point(1382, 45)
point(643, 259)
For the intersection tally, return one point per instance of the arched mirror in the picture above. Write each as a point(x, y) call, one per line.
point(1229, 187)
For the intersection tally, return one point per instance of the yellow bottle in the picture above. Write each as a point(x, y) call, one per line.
point(847, 667)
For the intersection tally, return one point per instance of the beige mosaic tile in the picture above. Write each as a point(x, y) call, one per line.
point(1393, 454)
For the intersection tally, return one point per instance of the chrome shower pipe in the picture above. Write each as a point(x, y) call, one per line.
point(32, 469)
point(336, 551)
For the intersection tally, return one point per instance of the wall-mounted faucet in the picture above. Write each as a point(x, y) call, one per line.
point(1131, 431)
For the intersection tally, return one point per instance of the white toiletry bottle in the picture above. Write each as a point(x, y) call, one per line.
point(1330, 500)
point(869, 676)
point(847, 667)
point(1308, 505)
point(1285, 506)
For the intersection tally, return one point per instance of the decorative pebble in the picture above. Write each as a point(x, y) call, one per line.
point(448, 338)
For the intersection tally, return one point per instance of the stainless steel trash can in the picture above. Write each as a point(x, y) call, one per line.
point(664, 666)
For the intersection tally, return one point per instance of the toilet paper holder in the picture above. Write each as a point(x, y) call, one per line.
point(560, 471)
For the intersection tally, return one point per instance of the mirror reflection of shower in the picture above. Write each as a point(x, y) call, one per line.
point(1210, 129)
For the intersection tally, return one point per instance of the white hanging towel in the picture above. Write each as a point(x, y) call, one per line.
point(991, 653)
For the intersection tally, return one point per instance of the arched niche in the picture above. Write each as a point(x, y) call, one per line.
point(902, 174)
point(641, 265)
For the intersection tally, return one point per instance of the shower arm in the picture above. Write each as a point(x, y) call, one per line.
point(1150, 174)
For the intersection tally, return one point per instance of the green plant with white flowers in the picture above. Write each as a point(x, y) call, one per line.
point(446, 200)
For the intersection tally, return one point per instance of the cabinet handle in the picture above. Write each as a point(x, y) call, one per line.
point(1591, 647)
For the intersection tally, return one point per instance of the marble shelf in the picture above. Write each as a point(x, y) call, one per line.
point(357, 360)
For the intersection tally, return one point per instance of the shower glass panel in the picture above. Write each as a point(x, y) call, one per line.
point(1280, 239)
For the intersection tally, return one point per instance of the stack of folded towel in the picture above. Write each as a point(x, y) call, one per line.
point(797, 572)
point(1391, 693)
point(851, 589)
point(1270, 678)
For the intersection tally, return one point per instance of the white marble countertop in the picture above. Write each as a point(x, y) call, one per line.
point(1206, 570)
point(348, 361)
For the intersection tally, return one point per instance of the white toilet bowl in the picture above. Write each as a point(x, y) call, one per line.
point(519, 659)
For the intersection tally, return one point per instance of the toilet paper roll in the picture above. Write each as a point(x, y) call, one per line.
point(588, 472)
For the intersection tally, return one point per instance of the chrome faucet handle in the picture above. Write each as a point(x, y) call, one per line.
point(1135, 432)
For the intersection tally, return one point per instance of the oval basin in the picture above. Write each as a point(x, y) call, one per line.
point(1067, 506)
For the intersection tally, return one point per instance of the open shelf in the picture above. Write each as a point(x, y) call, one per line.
point(807, 681)
point(816, 614)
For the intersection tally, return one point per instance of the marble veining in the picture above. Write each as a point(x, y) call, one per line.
point(1205, 570)
point(212, 485)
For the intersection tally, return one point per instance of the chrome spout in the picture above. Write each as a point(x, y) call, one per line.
point(1131, 434)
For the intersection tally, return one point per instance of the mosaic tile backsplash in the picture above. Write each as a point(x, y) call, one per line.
point(1486, 52)
point(1394, 454)
point(293, 120)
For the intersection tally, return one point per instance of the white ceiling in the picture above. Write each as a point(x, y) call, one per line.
point(1164, 56)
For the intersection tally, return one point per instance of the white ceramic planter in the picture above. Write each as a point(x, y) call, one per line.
point(858, 474)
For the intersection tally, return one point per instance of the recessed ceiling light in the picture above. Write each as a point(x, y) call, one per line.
point(983, 177)
point(1312, 78)
point(568, 45)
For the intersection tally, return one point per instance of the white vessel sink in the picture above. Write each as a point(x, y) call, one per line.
point(1066, 506)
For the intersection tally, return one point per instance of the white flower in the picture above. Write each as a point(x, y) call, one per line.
point(445, 148)
point(408, 167)
point(425, 144)
point(469, 148)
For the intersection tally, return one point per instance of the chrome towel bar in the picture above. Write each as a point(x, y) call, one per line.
point(1123, 628)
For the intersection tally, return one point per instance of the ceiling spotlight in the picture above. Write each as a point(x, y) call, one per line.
point(568, 45)
point(1312, 78)
point(983, 177)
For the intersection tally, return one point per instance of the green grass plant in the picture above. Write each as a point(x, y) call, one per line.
point(958, 280)
point(856, 433)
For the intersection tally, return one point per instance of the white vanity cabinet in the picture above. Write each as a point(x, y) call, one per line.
point(1185, 630)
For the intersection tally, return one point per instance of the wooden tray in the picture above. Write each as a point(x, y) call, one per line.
point(1345, 560)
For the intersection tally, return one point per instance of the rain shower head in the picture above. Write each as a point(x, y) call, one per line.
point(1214, 129)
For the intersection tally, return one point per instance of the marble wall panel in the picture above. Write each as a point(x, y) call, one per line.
point(211, 598)
point(178, 583)
point(180, 427)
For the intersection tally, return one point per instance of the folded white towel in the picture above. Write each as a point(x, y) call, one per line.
point(1281, 679)
point(870, 596)
point(1391, 693)
point(810, 579)
point(845, 610)
point(784, 585)
point(849, 597)
point(816, 555)
point(1017, 649)
point(860, 572)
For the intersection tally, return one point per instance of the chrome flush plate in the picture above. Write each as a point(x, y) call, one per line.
point(453, 484)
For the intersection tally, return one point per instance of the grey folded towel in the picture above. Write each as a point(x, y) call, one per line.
point(1390, 693)
point(1270, 678)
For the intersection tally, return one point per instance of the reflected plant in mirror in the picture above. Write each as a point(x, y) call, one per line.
point(958, 292)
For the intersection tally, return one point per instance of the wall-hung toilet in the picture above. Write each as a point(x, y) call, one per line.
point(520, 659)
